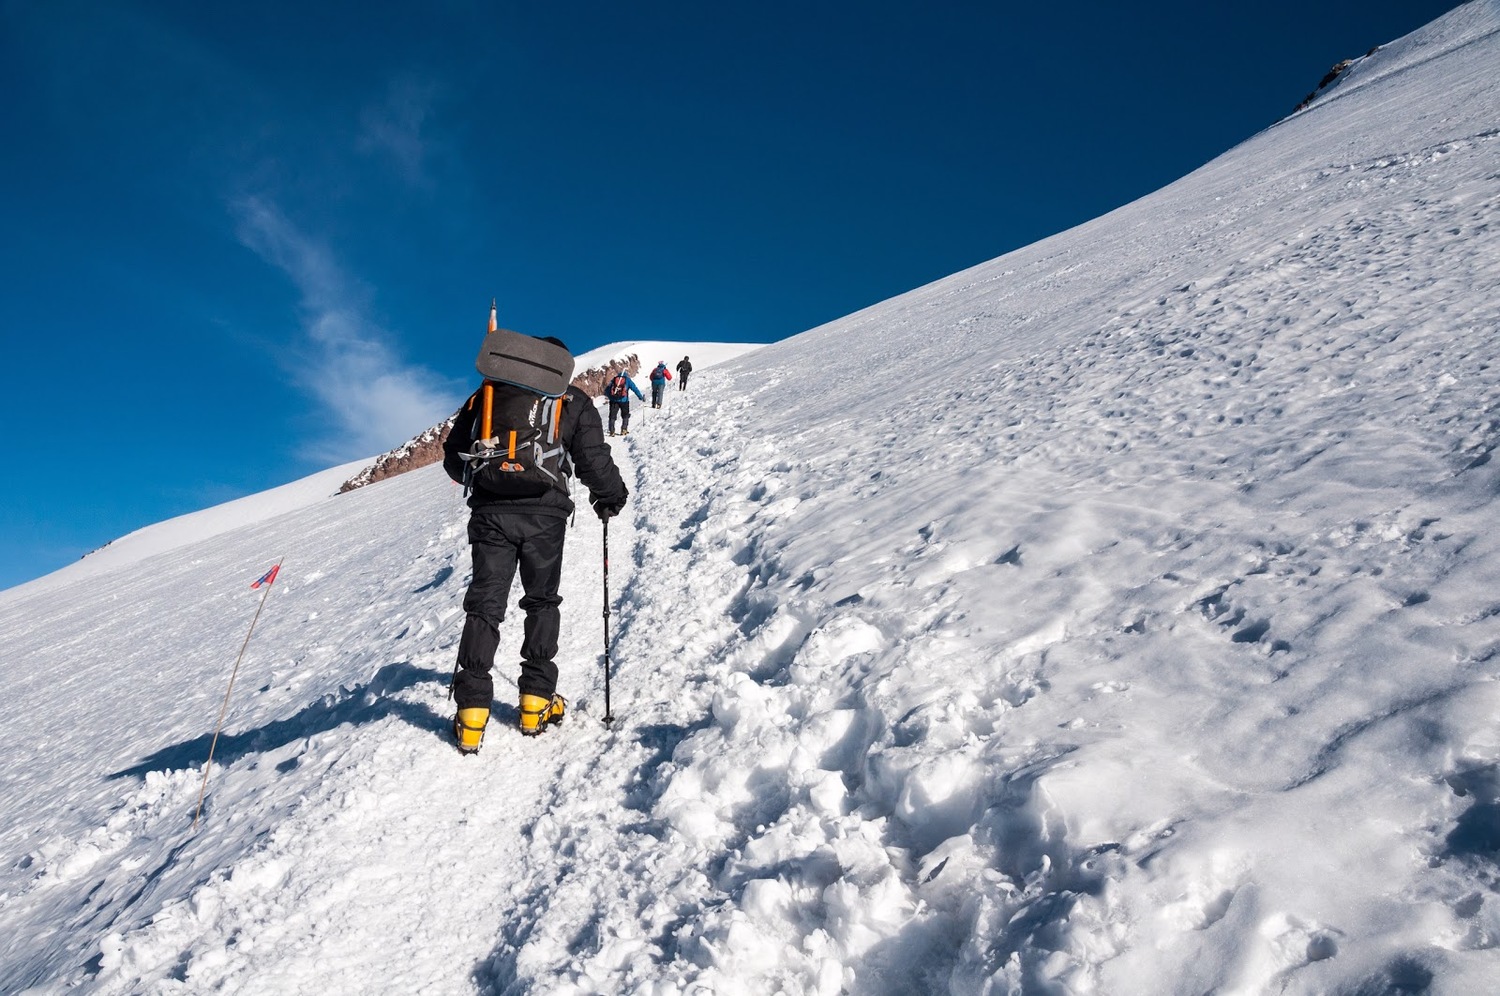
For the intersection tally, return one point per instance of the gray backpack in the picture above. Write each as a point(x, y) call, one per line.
point(521, 405)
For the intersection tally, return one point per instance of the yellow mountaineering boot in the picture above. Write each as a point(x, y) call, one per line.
point(538, 713)
point(468, 729)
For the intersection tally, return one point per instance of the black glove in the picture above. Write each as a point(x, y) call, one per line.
point(608, 508)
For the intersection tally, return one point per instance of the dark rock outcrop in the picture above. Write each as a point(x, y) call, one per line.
point(1330, 78)
point(592, 381)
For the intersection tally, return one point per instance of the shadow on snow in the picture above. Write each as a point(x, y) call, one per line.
point(375, 700)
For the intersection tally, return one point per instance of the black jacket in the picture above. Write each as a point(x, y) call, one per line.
point(582, 435)
point(684, 367)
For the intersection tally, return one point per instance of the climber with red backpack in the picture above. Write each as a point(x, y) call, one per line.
point(618, 390)
point(659, 377)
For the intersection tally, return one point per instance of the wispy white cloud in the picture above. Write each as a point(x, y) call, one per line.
point(396, 127)
point(373, 399)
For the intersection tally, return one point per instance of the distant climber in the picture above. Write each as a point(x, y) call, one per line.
point(683, 369)
point(659, 378)
point(619, 389)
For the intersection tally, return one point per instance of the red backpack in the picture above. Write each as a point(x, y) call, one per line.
point(617, 386)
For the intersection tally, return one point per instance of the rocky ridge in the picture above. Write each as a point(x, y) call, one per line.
point(427, 446)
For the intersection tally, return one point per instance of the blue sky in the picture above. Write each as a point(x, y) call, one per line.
point(244, 243)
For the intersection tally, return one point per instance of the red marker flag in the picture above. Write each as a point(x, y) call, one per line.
point(266, 580)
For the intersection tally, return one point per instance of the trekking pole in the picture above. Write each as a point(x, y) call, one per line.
point(609, 716)
point(268, 579)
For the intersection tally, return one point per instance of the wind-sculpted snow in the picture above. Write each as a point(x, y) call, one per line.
point(1116, 617)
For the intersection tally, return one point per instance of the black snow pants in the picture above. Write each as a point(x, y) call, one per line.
point(620, 409)
point(501, 542)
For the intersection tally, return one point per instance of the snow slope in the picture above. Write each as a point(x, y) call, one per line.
point(1140, 634)
point(651, 351)
point(196, 526)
